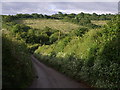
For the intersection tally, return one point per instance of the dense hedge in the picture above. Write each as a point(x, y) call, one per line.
point(94, 57)
point(17, 71)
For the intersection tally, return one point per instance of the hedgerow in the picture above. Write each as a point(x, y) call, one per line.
point(92, 57)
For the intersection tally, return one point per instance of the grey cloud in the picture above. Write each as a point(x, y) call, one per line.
point(54, 7)
point(60, 0)
point(25, 7)
point(88, 6)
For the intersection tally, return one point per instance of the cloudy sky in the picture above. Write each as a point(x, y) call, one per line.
point(54, 7)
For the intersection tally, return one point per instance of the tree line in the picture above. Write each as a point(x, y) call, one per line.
point(60, 15)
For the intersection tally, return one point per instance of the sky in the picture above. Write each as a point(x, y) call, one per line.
point(59, 0)
point(12, 7)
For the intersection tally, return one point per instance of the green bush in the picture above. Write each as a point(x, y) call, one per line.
point(16, 64)
point(32, 48)
point(20, 28)
point(80, 31)
point(54, 37)
point(95, 54)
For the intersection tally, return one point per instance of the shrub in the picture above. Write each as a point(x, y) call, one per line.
point(95, 54)
point(81, 31)
point(16, 64)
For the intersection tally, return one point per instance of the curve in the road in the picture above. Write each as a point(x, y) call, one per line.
point(49, 78)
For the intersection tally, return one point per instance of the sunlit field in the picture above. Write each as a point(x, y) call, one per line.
point(100, 22)
point(54, 24)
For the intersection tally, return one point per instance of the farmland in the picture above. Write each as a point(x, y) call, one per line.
point(100, 22)
point(54, 24)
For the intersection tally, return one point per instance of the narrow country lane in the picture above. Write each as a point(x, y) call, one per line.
point(49, 78)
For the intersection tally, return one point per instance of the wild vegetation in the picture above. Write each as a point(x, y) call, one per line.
point(17, 71)
point(77, 45)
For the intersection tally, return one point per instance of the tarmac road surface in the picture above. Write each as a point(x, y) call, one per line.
point(47, 77)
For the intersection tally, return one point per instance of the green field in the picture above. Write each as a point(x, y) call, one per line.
point(99, 22)
point(54, 24)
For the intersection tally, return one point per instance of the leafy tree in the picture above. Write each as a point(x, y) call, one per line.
point(35, 15)
point(80, 31)
point(44, 39)
point(94, 16)
point(84, 21)
point(20, 28)
point(8, 18)
point(41, 16)
point(102, 17)
point(48, 30)
point(54, 37)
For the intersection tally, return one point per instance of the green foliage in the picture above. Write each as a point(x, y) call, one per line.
point(20, 28)
point(33, 36)
point(80, 31)
point(8, 18)
point(48, 31)
point(16, 63)
point(54, 37)
point(61, 44)
point(85, 53)
point(81, 20)
point(32, 48)
point(95, 54)
point(44, 39)
point(59, 15)
point(84, 21)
